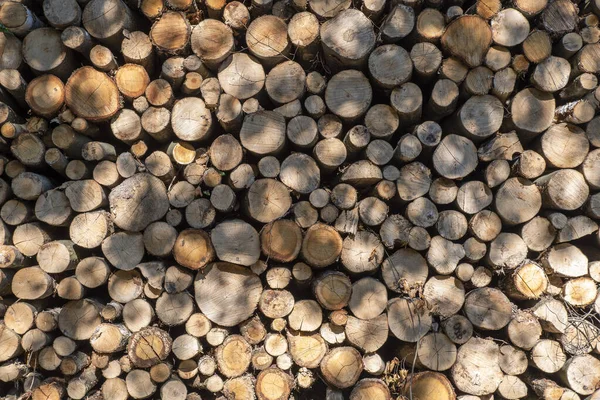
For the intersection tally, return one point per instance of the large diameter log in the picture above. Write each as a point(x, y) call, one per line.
point(32, 283)
point(564, 189)
point(236, 241)
point(273, 384)
point(488, 308)
point(92, 95)
point(212, 41)
point(138, 201)
point(409, 320)
point(348, 94)
point(45, 95)
point(149, 347)
point(56, 59)
point(468, 38)
point(11, 51)
point(105, 20)
point(515, 191)
point(267, 39)
point(263, 133)
point(347, 40)
point(267, 200)
point(193, 249)
point(455, 157)
point(242, 286)
point(241, 76)
point(527, 102)
point(191, 120)
point(321, 246)
point(281, 240)
point(341, 367)
point(426, 384)
point(477, 368)
point(78, 319)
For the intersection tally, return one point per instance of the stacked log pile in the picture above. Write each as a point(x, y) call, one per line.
point(297, 199)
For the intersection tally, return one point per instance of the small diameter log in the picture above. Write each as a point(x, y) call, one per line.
point(102, 58)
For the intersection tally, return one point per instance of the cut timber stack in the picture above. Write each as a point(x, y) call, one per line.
point(299, 199)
